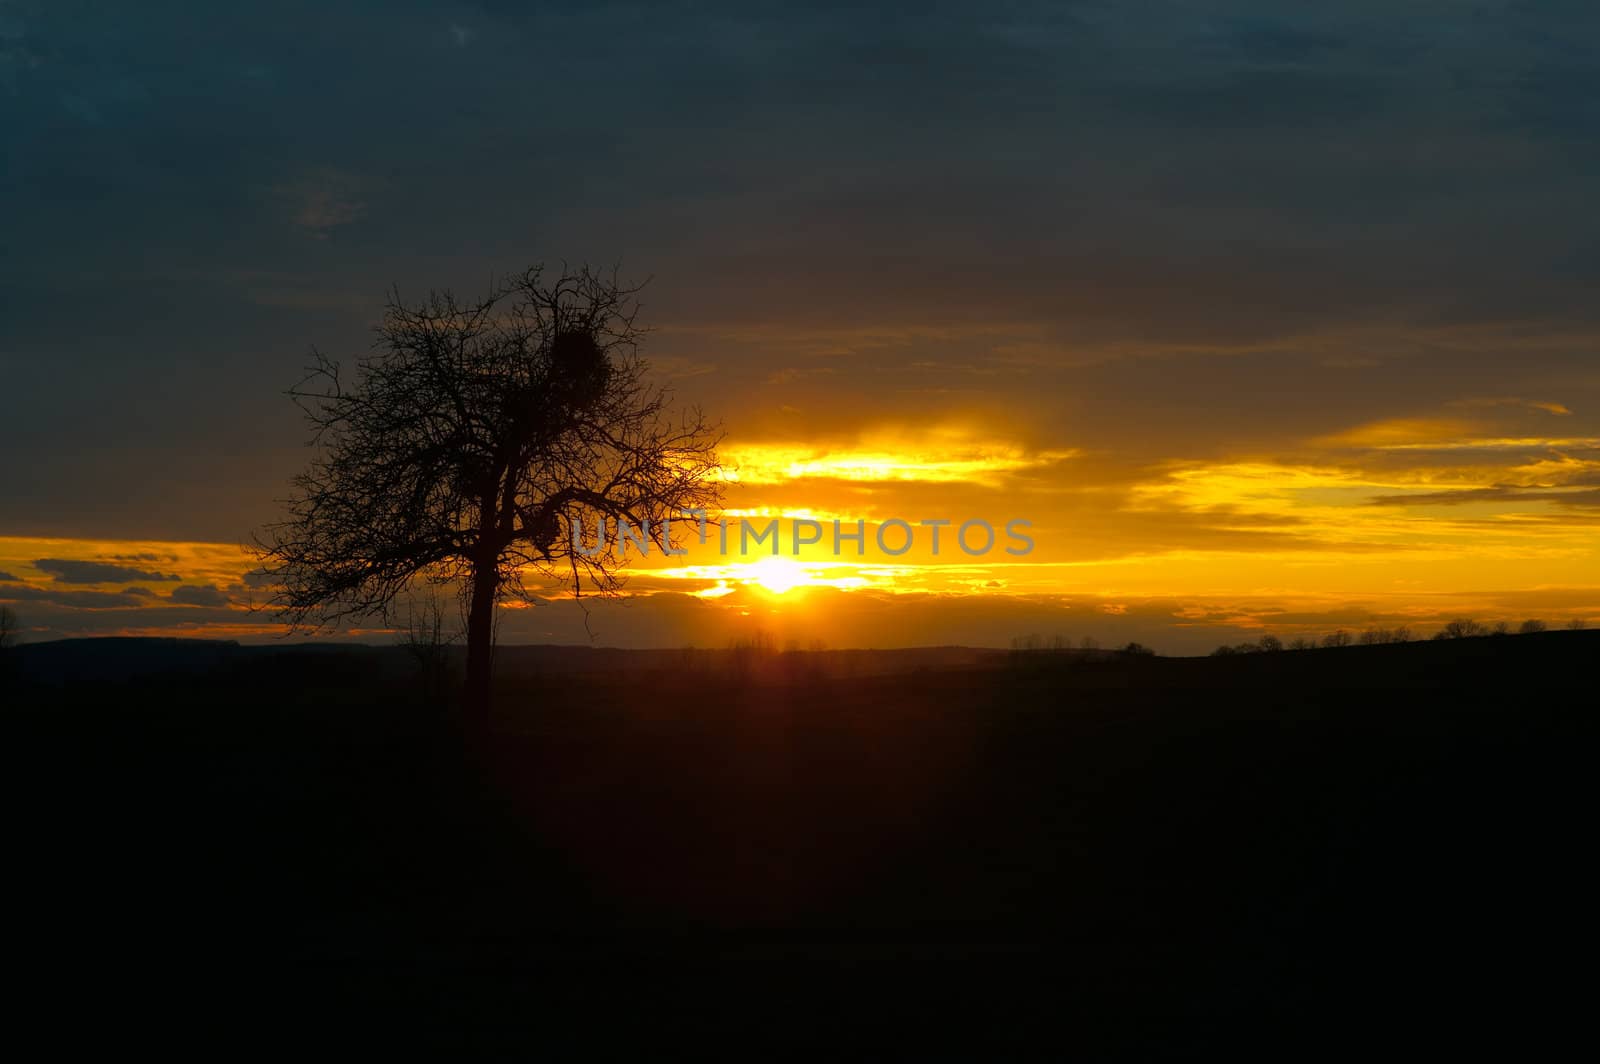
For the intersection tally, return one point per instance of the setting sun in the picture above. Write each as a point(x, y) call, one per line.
point(777, 575)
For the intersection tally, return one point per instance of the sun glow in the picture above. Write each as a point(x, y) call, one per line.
point(778, 575)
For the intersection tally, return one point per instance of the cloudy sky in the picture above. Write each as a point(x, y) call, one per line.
point(1268, 317)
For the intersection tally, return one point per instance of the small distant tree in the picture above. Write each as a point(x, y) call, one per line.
point(1501, 628)
point(1532, 627)
point(8, 628)
point(756, 641)
point(472, 445)
point(1463, 628)
point(428, 636)
point(1138, 650)
point(1300, 642)
point(746, 650)
point(1340, 638)
point(1577, 624)
point(8, 639)
point(1270, 643)
point(1088, 642)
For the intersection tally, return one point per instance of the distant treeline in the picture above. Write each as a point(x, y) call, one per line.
point(1460, 628)
point(1087, 646)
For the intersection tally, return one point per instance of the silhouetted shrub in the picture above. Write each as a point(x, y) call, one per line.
point(428, 638)
point(1462, 628)
point(1034, 643)
point(747, 652)
point(1341, 638)
point(8, 639)
point(1532, 627)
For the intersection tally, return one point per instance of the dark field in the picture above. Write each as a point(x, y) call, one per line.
point(1365, 848)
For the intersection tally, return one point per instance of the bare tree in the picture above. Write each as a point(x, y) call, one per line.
point(1532, 627)
point(8, 639)
point(1462, 628)
point(428, 635)
point(473, 445)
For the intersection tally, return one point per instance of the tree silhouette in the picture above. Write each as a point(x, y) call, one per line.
point(428, 637)
point(8, 627)
point(1461, 628)
point(474, 443)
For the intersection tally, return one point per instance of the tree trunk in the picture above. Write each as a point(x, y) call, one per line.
point(480, 648)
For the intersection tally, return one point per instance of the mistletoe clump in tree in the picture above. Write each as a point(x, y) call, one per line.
point(468, 446)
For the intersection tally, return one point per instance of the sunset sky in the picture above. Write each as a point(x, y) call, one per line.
point(1267, 317)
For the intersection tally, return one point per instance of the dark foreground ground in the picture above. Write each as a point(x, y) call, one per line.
point(1369, 849)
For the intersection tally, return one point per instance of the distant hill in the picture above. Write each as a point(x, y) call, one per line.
point(115, 658)
point(1540, 659)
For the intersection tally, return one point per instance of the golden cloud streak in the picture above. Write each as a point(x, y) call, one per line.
point(949, 456)
point(1447, 434)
